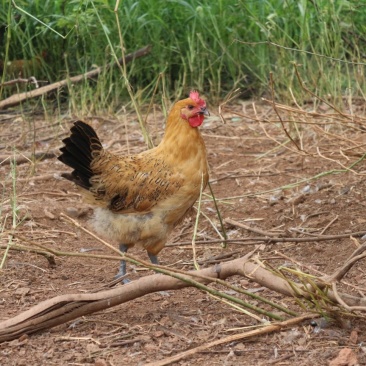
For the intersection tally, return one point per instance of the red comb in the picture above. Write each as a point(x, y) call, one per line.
point(194, 95)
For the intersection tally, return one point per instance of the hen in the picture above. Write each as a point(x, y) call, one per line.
point(140, 198)
point(24, 68)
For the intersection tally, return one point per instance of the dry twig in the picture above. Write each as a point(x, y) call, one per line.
point(21, 248)
point(253, 333)
point(26, 158)
point(19, 98)
point(31, 80)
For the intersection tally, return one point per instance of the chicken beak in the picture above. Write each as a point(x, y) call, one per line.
point(205, 111)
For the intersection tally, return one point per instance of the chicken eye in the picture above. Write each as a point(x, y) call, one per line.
point(190, 107)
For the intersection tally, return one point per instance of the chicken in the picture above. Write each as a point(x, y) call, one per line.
point(24, 68)
point(139, 199)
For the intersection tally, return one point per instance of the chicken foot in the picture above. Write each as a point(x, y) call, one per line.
point(122, 268)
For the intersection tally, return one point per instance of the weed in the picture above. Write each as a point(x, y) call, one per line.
point(196, 44)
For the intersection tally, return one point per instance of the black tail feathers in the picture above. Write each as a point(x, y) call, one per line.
point(78, 153)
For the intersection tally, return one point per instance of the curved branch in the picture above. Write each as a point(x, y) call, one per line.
point(64, 308)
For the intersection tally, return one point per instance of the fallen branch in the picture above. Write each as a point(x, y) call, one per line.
point(353, 258)
point(64, 308)
point(19, 98)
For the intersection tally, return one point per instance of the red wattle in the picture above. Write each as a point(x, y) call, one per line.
point(196, 120)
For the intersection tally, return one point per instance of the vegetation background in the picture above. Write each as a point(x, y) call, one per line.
point(214, 46)
point(286, 169)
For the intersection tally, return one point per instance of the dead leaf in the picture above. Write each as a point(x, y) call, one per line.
point(346, 357)
point(49, 214)
point(353, 338)
point(92, 348)
point(22, 291)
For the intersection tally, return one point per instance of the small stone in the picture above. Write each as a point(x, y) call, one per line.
point(72, 212)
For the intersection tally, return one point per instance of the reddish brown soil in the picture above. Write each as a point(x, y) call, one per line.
point(249, 174)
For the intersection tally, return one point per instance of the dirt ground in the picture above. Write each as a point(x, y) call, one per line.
point(259, 178)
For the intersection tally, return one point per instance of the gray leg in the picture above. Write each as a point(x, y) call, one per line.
point(153, 258)
point(122, 267)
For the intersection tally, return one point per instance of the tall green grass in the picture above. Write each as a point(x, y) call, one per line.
point(196, 44)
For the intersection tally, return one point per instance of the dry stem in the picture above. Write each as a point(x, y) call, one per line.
point(19, 98)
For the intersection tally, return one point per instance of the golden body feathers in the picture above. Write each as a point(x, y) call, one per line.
point(140, 198)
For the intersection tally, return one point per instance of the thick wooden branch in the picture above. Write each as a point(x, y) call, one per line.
point(19, 98)
point(64, 308)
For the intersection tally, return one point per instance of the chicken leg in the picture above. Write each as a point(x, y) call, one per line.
point(153, 258)
point(122, 267)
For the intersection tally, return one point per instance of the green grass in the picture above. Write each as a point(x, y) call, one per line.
point(196, 44)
